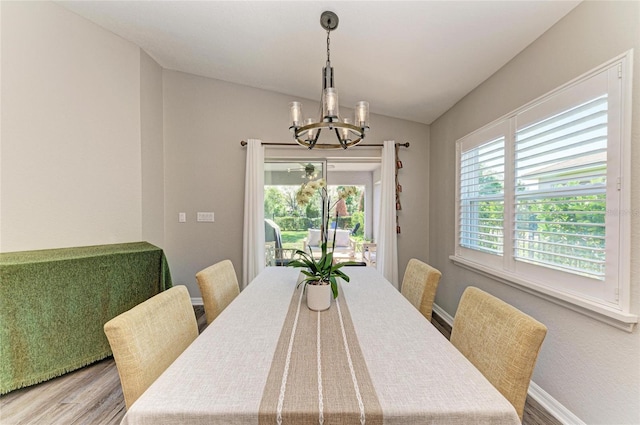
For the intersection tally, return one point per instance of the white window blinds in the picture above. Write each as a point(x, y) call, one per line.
point(560, 192)
point(482, 197)
point(541, 195)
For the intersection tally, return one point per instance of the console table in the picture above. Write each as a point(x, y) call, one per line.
point(54, 303)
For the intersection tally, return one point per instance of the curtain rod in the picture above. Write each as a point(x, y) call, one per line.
point(379, 145)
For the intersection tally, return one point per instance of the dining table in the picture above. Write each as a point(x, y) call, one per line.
point(371, 358)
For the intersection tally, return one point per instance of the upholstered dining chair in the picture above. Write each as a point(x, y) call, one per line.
point(419, 286)
point(219, 286)
point(148, 338)
point(500, 340)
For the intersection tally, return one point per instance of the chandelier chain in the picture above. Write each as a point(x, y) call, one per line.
point(328, 50)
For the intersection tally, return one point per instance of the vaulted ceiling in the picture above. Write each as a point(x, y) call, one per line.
point(410, 60)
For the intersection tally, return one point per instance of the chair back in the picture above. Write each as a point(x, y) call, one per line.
point(419, 286)
point(148, 338)
point(272, 233)
point(500, 340)
point(219, 286)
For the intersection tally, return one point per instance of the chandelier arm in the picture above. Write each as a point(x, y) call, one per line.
point(315, 139)
point(328, 124)
point(299, 133)
point(343, 142)
point(329, 146)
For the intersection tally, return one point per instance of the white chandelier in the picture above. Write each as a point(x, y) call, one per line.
point(349, 134)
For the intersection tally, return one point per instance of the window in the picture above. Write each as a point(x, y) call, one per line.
point(540, 196)
point(561, 187)
point(482, 197)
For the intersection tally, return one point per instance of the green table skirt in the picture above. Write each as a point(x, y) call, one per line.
point(54, 303)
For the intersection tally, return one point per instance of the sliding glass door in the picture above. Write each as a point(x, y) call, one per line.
point(286, 222)
point(288, 226)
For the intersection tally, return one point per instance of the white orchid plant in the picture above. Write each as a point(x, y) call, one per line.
point(321, 271)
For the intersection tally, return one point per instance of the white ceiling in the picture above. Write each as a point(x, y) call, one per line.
point(409, 59)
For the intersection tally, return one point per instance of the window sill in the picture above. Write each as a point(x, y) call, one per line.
point(615, 318)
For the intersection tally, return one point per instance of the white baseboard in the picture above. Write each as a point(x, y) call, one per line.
point(446, 316)
point(197, 301)
point(550, 404)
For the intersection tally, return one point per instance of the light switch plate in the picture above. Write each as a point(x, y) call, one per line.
point(182, 217)
point(205, 217)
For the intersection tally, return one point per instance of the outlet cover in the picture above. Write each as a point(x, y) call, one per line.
point(205, 217)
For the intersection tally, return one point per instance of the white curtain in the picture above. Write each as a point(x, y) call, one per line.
point(253, 256)
point(387, 244)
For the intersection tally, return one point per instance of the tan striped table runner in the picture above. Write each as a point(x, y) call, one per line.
point(318, 374)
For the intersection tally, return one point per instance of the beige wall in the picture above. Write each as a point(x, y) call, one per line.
point(100, 145)
point(591, 368)
point(204, 122)
point(152, 141)
point(70, 135)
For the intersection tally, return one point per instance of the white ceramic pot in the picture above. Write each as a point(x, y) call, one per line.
point(318, 297)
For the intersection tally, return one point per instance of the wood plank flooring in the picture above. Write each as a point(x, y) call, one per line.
point(92, 395)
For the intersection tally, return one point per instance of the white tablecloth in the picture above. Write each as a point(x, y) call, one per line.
point(419, 377)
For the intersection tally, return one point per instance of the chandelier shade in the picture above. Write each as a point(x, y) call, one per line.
point(348, 133)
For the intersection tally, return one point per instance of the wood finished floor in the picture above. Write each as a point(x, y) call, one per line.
point(92, 395)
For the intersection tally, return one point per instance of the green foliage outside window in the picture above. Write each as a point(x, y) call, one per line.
point(563, 231)
point(280, 205)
